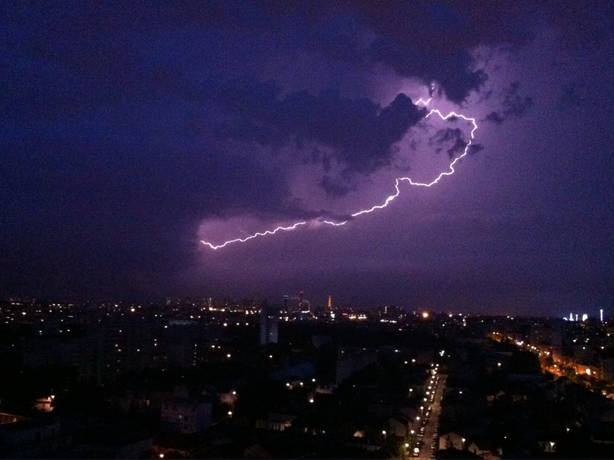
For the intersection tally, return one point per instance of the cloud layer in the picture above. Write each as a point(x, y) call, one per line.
point(129, 127)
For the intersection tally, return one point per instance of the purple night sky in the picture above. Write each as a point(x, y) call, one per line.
point(132, 131)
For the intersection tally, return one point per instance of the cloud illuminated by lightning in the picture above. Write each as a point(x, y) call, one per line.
point(389, 198)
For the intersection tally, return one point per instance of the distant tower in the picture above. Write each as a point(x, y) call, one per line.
point(329, 306)
point(269, 328)
point(601, 315)
point(301, 299)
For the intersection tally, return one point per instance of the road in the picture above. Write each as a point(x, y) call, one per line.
point(428, 446)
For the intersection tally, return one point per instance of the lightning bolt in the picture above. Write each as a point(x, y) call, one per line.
point(389, 199)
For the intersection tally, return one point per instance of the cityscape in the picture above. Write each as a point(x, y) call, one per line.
point(324, 229)
point(212, 378)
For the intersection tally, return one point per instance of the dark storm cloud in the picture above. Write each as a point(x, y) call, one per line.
point(475, 148)
point(572, 94)
point(333, 187)
point(495, 117)
point(360, 131)
point(513, 105)
point(452, 140)
point(317, 156)
point(420, 39)
point(433, 40)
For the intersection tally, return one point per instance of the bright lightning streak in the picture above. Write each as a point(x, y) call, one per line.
point(423, 102)
point(256, 235)
point(334, 224)
point(389, 199)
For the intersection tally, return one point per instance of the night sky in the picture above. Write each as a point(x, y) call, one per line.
point(133, 130)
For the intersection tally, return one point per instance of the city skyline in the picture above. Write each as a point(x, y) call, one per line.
point(323, 303)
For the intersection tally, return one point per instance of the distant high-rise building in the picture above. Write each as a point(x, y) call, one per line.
point(330, 303)
point(269, 327)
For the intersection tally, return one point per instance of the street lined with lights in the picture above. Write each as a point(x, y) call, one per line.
point(422, 439)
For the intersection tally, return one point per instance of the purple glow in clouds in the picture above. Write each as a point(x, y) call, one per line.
point(389, 199)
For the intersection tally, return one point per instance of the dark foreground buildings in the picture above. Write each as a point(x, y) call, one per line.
point(206, 379)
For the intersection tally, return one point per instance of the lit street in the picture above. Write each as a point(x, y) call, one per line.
point(426, 430)
point(431, 429)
